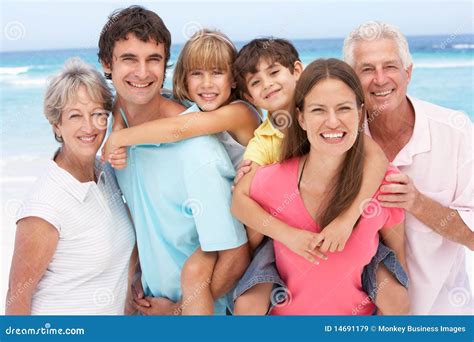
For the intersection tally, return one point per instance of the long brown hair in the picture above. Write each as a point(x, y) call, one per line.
point(296, 144)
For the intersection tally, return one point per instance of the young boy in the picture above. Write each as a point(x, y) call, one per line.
point(266, 73)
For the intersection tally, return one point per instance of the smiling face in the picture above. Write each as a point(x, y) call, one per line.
point(330, 117)
point(82, 126)
point(273, 85)
point(209, 89)
point(382, 74)
point(138, 69)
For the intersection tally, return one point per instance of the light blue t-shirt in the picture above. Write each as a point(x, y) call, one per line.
point(179, 195)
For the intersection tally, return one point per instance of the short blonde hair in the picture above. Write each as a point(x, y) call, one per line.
point(206, 49)
point(64, 86)
point(372, 30)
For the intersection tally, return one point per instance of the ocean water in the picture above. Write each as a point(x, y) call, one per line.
point(443, 74)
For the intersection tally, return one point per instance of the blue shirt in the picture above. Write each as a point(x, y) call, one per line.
point(179, 195)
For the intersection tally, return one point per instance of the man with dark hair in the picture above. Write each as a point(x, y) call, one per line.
point(178, 194)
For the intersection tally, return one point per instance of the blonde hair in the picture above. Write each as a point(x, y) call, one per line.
point(64, 86)
point(206, 49)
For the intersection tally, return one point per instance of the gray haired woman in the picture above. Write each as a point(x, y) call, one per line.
point(74, 248)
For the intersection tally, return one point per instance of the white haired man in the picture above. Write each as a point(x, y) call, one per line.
point(432, 147)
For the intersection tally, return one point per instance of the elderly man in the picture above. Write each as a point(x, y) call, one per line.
point(432, 147)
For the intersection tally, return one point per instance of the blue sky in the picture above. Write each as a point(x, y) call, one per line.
point(35, 25)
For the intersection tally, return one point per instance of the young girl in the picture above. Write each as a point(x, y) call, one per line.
point(203, 75)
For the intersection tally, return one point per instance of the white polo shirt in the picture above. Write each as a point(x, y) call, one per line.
point(88, 273)
point(439, 160)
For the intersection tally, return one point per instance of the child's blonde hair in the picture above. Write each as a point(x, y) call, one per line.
point(206, 49)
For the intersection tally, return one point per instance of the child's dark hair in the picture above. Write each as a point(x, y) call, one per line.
point(146, 25)
point(274, 50)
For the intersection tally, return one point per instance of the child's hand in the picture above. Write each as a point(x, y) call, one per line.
point(244, 168)
point(305, 244)
point(114, 154)
point(335, 235)
point(118, 159)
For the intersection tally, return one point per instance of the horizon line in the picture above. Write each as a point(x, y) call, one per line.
point(241, 41)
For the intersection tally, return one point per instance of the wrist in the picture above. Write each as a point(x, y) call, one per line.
point(284, 234)
point(417, 208)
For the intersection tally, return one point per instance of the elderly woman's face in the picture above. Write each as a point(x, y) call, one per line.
point(82, 125)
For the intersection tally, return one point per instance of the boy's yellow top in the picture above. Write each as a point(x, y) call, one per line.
point(265, 147)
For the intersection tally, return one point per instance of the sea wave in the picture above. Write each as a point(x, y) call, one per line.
point(462, 46)
point(14, 70)
point(25, 82)
point(442, 65)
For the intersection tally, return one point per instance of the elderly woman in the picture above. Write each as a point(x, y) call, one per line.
point(74, 240)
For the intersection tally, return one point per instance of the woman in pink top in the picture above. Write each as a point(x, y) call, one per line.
point(319, 177)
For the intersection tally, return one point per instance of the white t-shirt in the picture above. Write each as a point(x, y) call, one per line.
point(88, 272)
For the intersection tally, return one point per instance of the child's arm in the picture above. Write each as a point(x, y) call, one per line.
point(249, 212)
point(337, 232)
point(237, 118)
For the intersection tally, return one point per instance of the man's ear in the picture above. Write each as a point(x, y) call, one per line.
point(107, 67)
point(301, 120)
point(297, 69)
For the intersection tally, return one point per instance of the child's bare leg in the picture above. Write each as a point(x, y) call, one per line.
point(196, 283)
point(392, 297)
point(254, 301)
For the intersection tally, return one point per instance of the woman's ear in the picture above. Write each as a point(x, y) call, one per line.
point(57, 130)
point(301, 120)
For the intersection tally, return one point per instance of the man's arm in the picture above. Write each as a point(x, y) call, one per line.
point(445, 221)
